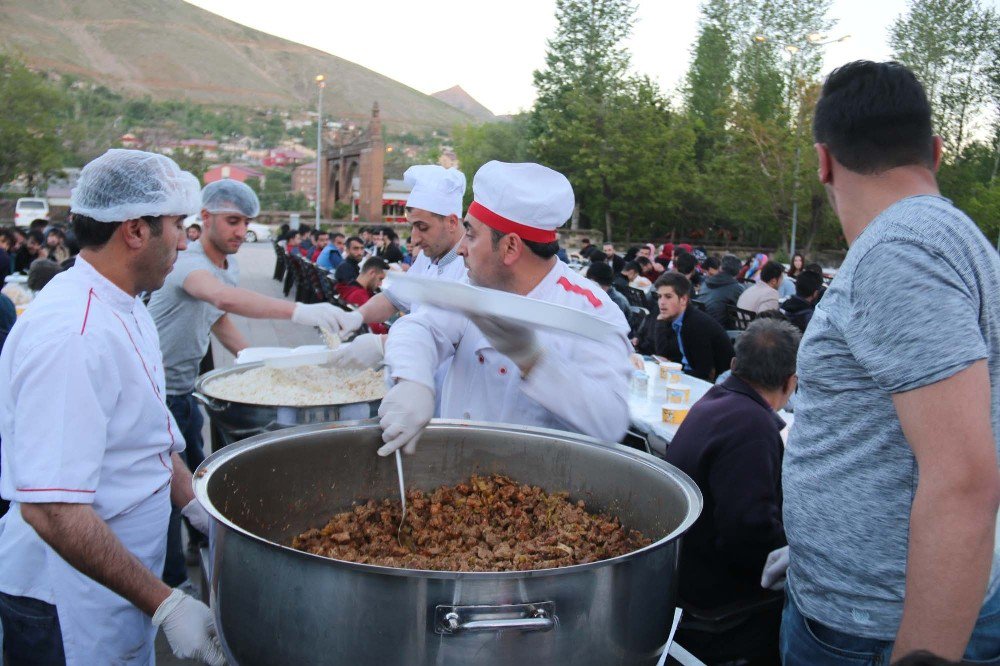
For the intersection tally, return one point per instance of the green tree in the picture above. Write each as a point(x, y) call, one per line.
point(30, 132)
point(475, 145)
point(585, 71)
point(709, 83)
point(951, 46)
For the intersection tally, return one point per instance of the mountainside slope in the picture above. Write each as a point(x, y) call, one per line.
point(463, 101)
point(169, 49)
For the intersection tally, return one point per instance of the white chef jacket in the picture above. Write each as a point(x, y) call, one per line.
point(450, 267)
point(83, 420)
point(578, 384)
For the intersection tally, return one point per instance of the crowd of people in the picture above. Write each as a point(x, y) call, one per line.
point(828, 549)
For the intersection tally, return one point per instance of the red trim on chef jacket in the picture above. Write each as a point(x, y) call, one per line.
point(45, 490)
point(86, 314)
point(577, 289)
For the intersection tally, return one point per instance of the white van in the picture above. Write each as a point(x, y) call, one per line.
point(27, 210)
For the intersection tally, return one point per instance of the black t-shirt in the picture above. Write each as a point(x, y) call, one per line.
point(347, 271)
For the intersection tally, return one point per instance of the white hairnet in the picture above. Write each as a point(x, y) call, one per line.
point(230, 196)
point(127, 184)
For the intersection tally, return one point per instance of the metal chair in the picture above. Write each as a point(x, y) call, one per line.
point(634, 296)
point(741, 318)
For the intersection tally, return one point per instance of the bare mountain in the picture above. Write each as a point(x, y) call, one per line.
point(463, 101)
point(170, 49)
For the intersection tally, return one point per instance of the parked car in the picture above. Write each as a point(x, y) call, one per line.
point(29, 209)
point(255, 230)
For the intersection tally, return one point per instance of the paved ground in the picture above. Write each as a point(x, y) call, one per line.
point(256, 268)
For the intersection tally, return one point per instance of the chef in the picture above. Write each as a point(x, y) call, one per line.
point(434, 211)
point(195, 301)
point(89, 454)
point(502, 371)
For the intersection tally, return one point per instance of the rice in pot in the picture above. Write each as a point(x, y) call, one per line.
point(304, 386)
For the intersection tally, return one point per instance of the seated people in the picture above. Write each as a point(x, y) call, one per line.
point(687, 266)
point(722, 290)
point(633, 273)
point(730, 445)
point(331, 255)
point(369, 280)
point(320, 239)
point(684, 334)
point(799, 307)
point(349, 268)
point(764, 294)
point(601, 274)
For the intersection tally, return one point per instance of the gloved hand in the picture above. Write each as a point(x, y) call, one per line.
point(197, 516)
point(516, 342)
point(363, 352)
point(406, 409)
point(325, 315)
point(775, 567)
point(188, 625)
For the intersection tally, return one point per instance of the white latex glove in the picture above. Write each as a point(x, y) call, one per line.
point(775, 567)
point(327, 316)
point(188, 625)
point(406, 409)
point(516, 342)
point(197, 516)
point(363, 352)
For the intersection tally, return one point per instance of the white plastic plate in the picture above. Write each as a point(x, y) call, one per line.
point(470, 300)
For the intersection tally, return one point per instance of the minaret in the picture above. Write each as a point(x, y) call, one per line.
point(372, 171)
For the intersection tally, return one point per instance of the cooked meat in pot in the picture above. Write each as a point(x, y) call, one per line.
point(490, 523)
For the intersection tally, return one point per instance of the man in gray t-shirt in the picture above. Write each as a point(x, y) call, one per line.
point(899, 370)
point(195, 301)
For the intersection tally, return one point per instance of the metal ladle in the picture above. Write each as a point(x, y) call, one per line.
point(402, 497)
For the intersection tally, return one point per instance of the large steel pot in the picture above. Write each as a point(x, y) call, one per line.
point(238, 420)
point(276, 605)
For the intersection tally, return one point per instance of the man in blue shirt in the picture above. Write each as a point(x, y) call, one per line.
point(332, 256)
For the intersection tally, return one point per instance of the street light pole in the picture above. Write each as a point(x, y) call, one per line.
point(321, 81)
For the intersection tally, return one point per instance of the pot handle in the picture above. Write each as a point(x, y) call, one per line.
point(521, 617)
point(206, 401)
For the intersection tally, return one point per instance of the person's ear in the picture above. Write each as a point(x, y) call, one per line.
point(510, 247)
point(937, 147)
point(825, 160)
point(134, 233)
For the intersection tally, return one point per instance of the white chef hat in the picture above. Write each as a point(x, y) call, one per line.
point(526, 199)
point(127, 184)
point(435, 189)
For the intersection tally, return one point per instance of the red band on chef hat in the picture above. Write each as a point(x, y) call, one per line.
point(503, 225)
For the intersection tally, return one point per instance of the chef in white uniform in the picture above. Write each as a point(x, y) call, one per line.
point(502, 371)
point(434, 211)
point(89, 453)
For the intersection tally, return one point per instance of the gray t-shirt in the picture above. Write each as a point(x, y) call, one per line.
point(916, 301)
point(184, 322)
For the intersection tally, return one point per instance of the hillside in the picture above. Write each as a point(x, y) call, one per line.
point(463, 101)
point(169, 49)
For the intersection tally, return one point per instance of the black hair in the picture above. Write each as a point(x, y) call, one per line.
point(772, 270)
point(601, 274)
point(814, 267)
point(711, 264)
point(685, 263)
point(643, 262)
point(375, 263)
point(731, 265)
point(631, 266)
point(808, 283)
point(354, 239)
point(543, 250)
point(335, 235)
point(194, 225)
point(874, 116)
point(766, 352)
point(57, 231)
point(679, 283)
point(38, 224)
point(91, 233)
point(36, 236)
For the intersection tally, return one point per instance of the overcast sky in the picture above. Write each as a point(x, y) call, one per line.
point(491, 48)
